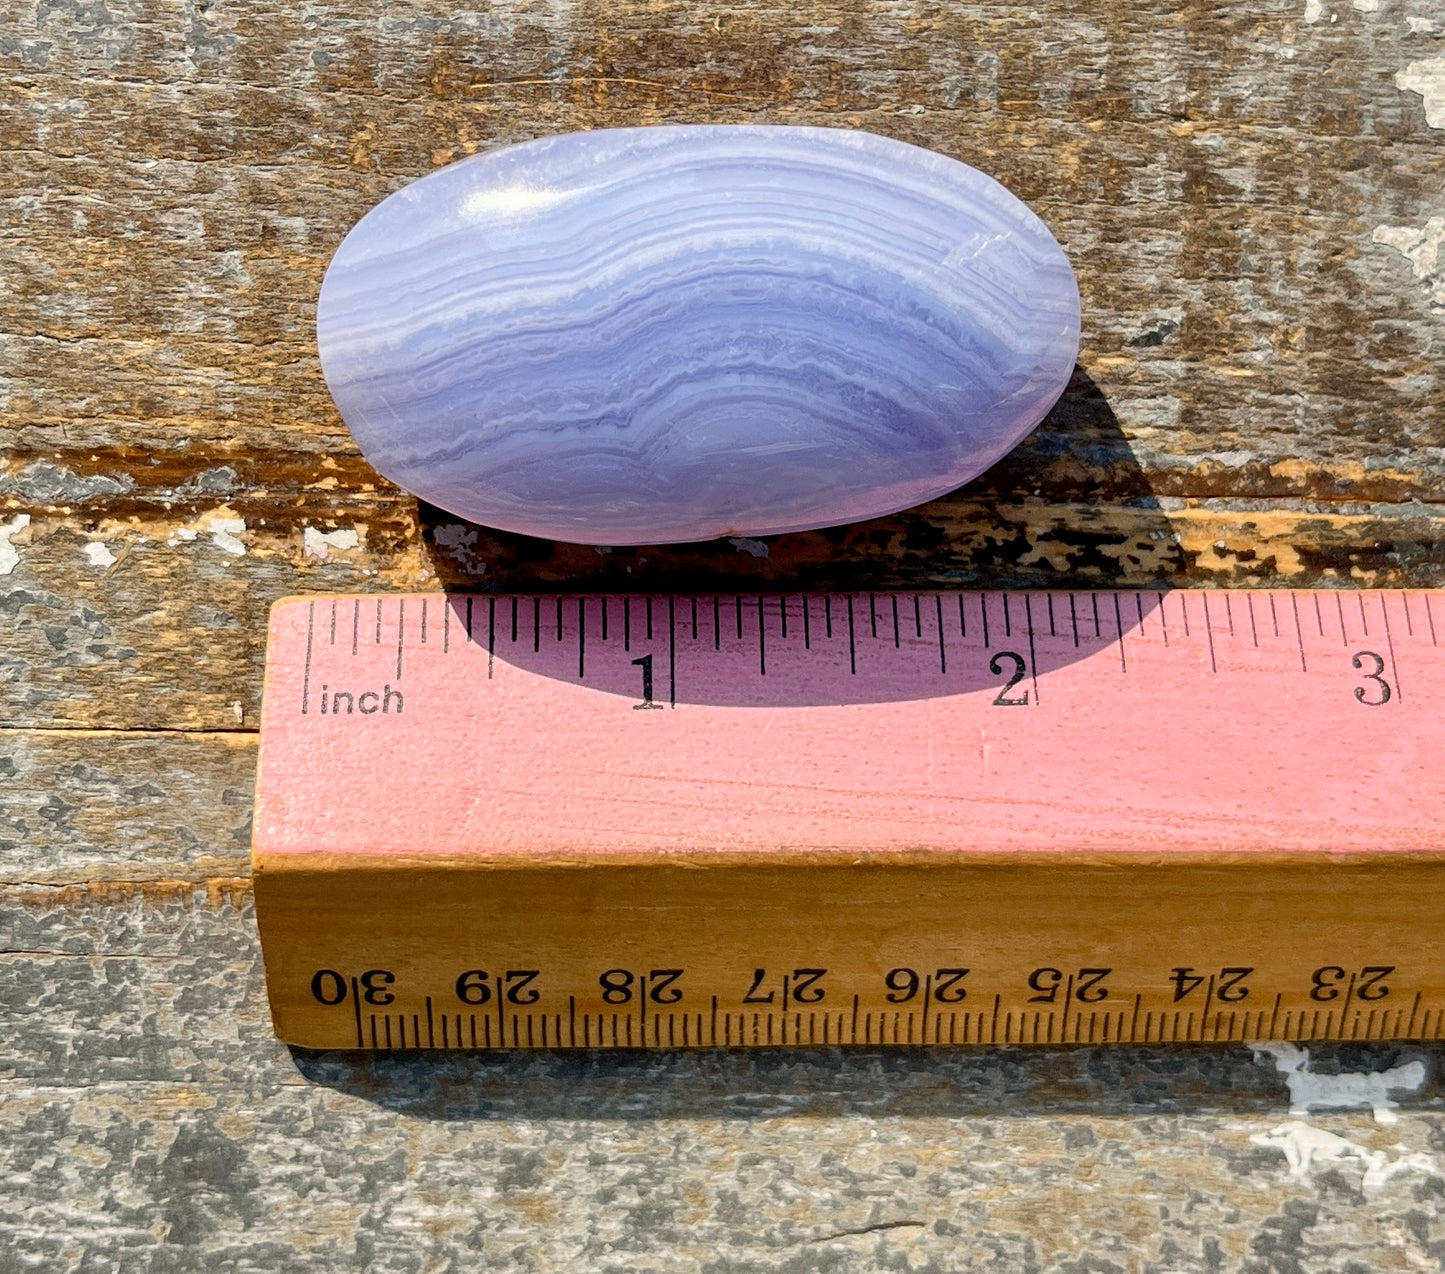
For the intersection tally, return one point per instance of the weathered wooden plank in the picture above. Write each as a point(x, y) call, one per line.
point(83, 807)
point(175, 1176)
point(176, 187)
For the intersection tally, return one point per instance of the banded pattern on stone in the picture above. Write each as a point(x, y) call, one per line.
point(651, 335)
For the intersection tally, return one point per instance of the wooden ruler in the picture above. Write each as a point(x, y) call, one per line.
point(933, 818)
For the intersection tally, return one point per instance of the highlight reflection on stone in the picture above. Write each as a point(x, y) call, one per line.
point(649, 335)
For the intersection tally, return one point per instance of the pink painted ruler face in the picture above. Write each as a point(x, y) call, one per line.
point(474, 727)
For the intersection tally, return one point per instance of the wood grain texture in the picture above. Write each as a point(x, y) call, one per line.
point(1246, 192)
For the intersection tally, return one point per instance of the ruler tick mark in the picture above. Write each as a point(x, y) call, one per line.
point(1229, 614)
point(333, 623)
point(1299, 635)
point(1073, 621)
point(581, 637)
point(1007, 620)
point(694, 617)
point(1340, 608)
point(872, 616)
point(536, 624)
point(1119, 629)
point(672, 652)
point(559, 619)
point(852, 645)
point(942, 651)
point(1364, 620)
point(1253, 630)
point(604, 618)
point(1033, 657)
point(355, 625)
point(1273, 616)
point(446, 625)
point(1430, 619)
point(306, 673)
point(400, 633)
point(1184, 610)
point(783, 616)
point(1049, 601)
point(1389, 645)
point(897, 636)
point(491, 634)
point(1098, 630)
point(762, 640)
point(648, 608)
point(1405, 606)
point(423, 621)
point(983, 610)
point(917, 615)
point(807, 626)
point(738, 609)
point(1209, 633)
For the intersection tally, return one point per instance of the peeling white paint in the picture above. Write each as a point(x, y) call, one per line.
point(9, 556)
point(1421, 26)
point(1350, 1090)
point(223, 526)
point(743, 545)
point(98, 554)
point(461, 542)
point(1424, 248)
point(223, 535)
point(318, 545)
point(1314, 11)
point(1426, 78)
point(1366, 6)
point(238, 710)
point(1304, 1146)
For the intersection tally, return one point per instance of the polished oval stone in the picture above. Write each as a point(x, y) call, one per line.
point(650, 335)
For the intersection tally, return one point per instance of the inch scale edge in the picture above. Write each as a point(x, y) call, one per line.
point(937, 818)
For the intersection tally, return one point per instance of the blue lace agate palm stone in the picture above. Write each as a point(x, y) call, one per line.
point(650, 335)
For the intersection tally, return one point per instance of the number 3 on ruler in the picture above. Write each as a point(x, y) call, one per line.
point(1378, 695)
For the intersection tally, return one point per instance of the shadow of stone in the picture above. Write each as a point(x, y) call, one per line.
point(773, 650)
point(839, 1082)
point(1070, 507)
